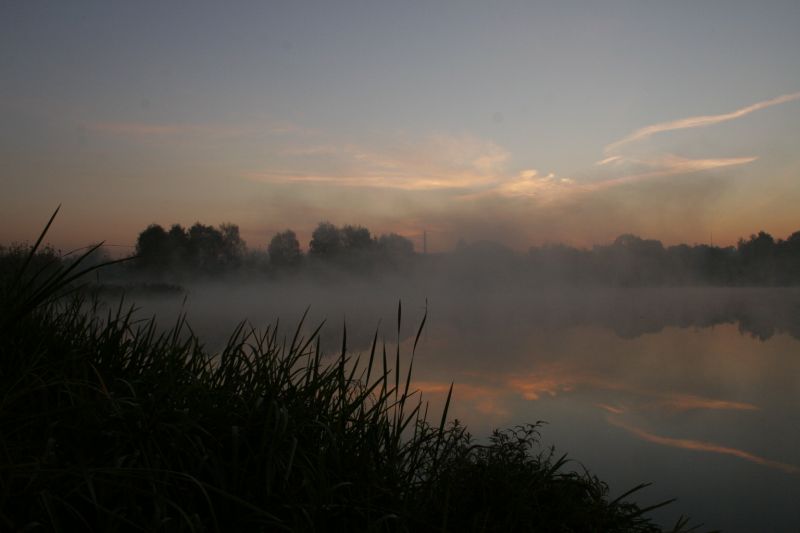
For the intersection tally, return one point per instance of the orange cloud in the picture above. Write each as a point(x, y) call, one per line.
point(611, 408)
point(486, 400)
point(669, 165)
point(687, 402)
point(688, 444)
point(555, 380)
point(530, 183)
point(385, 180)
point(476, 168)
point(608, 160)
point(439, 162)
point(534, 388)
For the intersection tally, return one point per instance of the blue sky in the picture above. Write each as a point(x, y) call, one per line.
point(471, 119)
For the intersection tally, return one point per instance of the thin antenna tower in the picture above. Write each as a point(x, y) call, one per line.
point(425, 242)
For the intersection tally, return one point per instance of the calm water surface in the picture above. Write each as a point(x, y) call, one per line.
point(695, 390)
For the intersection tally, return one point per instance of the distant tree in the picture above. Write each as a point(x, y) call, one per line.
point(637, 245)
point(206, 246)
point(794, 240)
point(700, 263)
point(201, 248)
point(757, 247)
point(790, 250)
point(631, 260)
point(326, 241)
point(561, 262)
point(356, 239)
point(757, 257)
point(178, 244)
point(284, 249)
point(233, 247)
point(152, 247)
point(395, 245)
point(788, 258)
point(46, 260)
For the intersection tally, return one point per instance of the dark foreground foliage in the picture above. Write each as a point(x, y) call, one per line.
point(108, 424)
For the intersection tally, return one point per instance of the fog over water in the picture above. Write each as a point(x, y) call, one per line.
point(693, 389)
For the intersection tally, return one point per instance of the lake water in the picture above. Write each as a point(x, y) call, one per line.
point(694, 390)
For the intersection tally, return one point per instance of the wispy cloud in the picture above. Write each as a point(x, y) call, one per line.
point(610, 408)
point(385, 180)
point(702, 446)
point(696, 122)
point(474, 168)
point(670, 165)
point(610, 159)
point(437, 162)
point(552, 380)
point(532, 184)
point(485, 400)
point(688, 402)
point(535, 386)
point(492, 396)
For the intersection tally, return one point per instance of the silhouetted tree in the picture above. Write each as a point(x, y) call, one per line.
point(205, 248)
point(638, 246)
point(152, 247)
point(757, 247)
point(788, 259)
point(757, 258)
point(233, 247)
point(178, 244)
point(635, 261)
point(284, 249)
point(201, 249)
point(326, 241)
point(356, 239)
point(629, 260)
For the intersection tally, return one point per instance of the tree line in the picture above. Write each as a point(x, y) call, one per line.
point(628, 261)
point(213, 250)
point(631, 260)
point(199, 248)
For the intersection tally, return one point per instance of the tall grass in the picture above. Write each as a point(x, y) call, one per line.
point(108, 423)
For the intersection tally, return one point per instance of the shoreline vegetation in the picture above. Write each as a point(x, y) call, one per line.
point(110, 424)
point(203, 253)
point(207, 251)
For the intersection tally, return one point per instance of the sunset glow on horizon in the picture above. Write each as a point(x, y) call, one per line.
point(521, 123)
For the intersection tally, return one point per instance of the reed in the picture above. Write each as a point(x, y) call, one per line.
point(109, 423)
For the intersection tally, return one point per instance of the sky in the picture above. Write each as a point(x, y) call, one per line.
point(520, 122)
